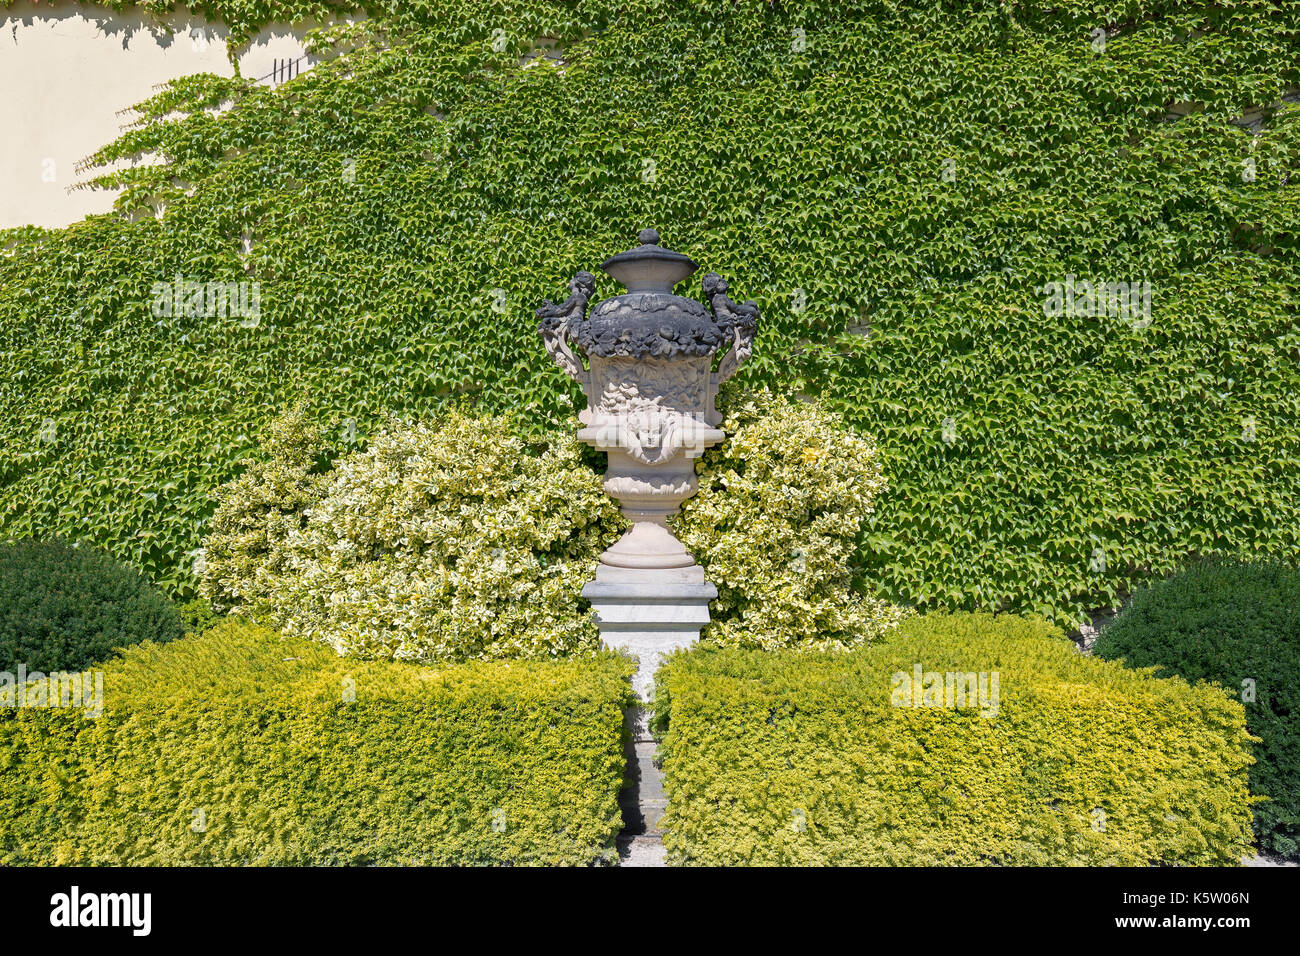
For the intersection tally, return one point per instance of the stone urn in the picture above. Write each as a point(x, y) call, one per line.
point(650, 384)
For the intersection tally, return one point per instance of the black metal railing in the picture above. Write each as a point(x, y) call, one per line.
point(283, 71)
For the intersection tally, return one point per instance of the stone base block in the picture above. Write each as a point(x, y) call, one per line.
point(649, 614)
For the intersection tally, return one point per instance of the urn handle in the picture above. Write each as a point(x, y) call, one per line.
point(740, 322)
point(555, 324)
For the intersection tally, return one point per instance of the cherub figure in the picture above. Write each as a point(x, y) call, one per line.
point(740, 321)
point(581, 288)
point(556, 320)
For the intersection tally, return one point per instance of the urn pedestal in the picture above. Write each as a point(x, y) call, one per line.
point(647, 617)
point(650, 386)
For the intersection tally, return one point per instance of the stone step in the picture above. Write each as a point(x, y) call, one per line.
point(641, 851)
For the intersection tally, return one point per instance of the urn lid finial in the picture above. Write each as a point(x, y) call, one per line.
point(647, 320)
point(649, 267)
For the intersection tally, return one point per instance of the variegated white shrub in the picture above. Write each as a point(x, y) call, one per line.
point(243, 550)
point(775, 525)
point(449, 540)
point(459, 538)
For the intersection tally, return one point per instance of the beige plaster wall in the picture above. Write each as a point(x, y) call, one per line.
point(67, 69)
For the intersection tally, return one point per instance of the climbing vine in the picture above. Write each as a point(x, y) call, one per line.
point(905, 188)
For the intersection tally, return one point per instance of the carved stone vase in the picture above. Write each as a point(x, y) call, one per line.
point(650, 386)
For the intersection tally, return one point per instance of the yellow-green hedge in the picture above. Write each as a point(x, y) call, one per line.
point(801, 758)
point(240, 747)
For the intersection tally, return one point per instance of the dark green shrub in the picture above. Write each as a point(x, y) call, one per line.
point(1238, 623)
point(242, 747)
point(796, 757)
point(64, 607)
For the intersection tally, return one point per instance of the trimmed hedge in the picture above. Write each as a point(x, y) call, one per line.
point(239, 747)
point(64, 607)
point(1237, 623)
point(799, 758)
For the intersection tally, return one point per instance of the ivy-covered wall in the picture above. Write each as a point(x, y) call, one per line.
point(899, 185)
